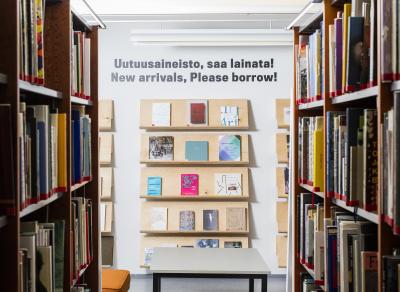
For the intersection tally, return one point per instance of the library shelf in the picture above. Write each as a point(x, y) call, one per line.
point(311, 190)
point(373, 217)
point(81, 101)
point(194, 128)
point(185, 162)
point(80, 185)
point(361, 94)
point(40, 90)
point(395, 85)
point(194, 232)
point(311, 105)
point(3, 221)
point(34, 207)
point(3, 78)
point(195, 198)
point(78, 18)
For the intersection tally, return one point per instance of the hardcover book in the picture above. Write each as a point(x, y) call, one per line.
point(207, 243)
point(154, 184)
point(236, 219)
point(161, 114)
point(106, 182)
point(232, 244)
point(229, 148)
point(210, 220)
point(197, 112)
point(186, 220)
point(189, 184)
point(228, 184)
point(158, 218)
point(161, 148)
point(355, 46)
point(196, 150)
point(229, 116)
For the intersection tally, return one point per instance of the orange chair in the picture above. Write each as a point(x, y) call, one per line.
point(115, 280)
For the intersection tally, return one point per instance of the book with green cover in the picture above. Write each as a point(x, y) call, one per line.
point(196, 150)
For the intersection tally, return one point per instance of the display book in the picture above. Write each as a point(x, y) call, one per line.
point(43, 152)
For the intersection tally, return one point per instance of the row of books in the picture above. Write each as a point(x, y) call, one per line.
point(42, 149)
point(311, 145)
point(80, 86)
point(353, 48)
point(82, 234)
point(41, 256)
point(347, 244)
point(81, 125)
point(236, 219)
point(352, 165)
point(31, 41)
point(390, 166)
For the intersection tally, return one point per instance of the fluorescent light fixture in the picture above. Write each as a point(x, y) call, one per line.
point(314, 7)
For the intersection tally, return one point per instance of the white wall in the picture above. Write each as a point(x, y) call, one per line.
point(114, 43)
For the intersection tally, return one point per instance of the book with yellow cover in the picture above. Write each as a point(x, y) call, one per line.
point(318, 154)
point(62, 153)
point(346, 15)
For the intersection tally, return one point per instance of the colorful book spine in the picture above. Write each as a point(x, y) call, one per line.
point(338, 54)
point(346, 15)
point(318, 153)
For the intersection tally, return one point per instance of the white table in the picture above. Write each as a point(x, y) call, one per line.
point(241, 263)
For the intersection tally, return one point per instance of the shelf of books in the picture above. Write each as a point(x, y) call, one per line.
point(346, 161)
point(195, 186)
point(47, 146)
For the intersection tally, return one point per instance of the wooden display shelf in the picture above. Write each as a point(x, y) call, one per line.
point(193, 128)
point(195, 198)
point(3, 221)
point(40, 90)
point(81, 101)
point(3, 78)
point(194, 232)
point(362, 94)
point(373, 217)
point(319, 104)
point(34, 207)
point(80, 185)
point(311, 190)
point(186, 162)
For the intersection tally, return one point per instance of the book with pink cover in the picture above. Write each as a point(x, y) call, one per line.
point(189, 184)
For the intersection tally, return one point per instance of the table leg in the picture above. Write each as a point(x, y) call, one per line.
point(251, 284)
point(264, 283)
point(156, 283)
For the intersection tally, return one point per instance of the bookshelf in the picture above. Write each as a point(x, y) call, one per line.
point(56, 93)
point(379, 97)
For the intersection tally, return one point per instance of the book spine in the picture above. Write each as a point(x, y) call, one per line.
point(396, 163)
point(386, 41)
point(370, 160)
point(338, 55)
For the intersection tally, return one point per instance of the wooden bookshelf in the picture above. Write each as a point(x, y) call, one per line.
point(311, 190)
point(76, 187)
point(195, 198)
point(379, 97)
point(56, 91)
point(312, 105)
point(81, 101)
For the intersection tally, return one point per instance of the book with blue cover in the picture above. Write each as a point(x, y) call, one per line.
point(76, 132)
point(229, 148)
point(154, 185)
point(196, 150)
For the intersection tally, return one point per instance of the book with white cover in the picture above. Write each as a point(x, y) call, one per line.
point(158, 218)
point(161, 114)
point(106, 209)
point(228, 184)
point(319, 259)
point(229, 116)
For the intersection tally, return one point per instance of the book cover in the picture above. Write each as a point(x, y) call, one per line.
point(207, 243)
point(210, 220)
point(229, 148)
point(228, 184)
point(338, 22)
point(187, 220)
point(161, 148)
point(59, 242)
point(366, 47)
point(196, 150)
point(197, 112)
point(355, 53)
point(396, 162)
point(76, 117)
point(189, 184)
point(106, 148)
point(62, 153)
point(369, 271)
point(232, 244)
point(386, 40)
point(148, 255)
point(303, 67)
point(154, 184)
point(229, 116)
point(158, 218)
point(332, 48)
point(373, 49)
point(161, 114)
point(236, 219)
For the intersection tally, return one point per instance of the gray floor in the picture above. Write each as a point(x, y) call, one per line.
point(144, 284)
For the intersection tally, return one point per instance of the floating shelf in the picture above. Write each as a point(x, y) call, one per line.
point(82, 101)
point(395, 85)
point(310, 189)
point(365, 93)
point(77, 186)
point(78, 17)
point(194, 232)
point(34, 207)
point(373, 217)
point(3, 78)
point(311, 105)
point(3, 221)
point(41, 90)
point(194, 128)
point(195, 198)
point(191, 163)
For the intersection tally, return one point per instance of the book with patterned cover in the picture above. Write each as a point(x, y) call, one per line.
point(189, 184)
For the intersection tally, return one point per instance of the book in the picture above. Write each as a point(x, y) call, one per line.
point(338, 54)
point(232, 244)
point(148, 255)
point(387, 54)
point(354, 49)
point(187, 220)
point(189, 184)
point(236, 219)
point(158, 218)
point(106, 146)
point(80, 67)
point(161, 114)
point(228, 184)
point(196, 150)
point(207, 243)
point(369, 271)
point(210, 220)
point(161, 148)
point(106, 182)
point(106, 216)
point(318, 155)
point(59, 243)
point(106, 114)
point(197, 112)
point(230, 148)
point(396, 162)
point(44, 268)
point(154, 186)
point(345, 43)
point(229, 116)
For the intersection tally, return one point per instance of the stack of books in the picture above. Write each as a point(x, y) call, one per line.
point(42, 148)
point(80, 86)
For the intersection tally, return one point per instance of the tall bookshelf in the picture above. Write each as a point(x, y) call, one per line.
point(59, 20)
point(379, 96)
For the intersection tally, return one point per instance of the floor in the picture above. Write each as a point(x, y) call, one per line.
point(144, 284)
